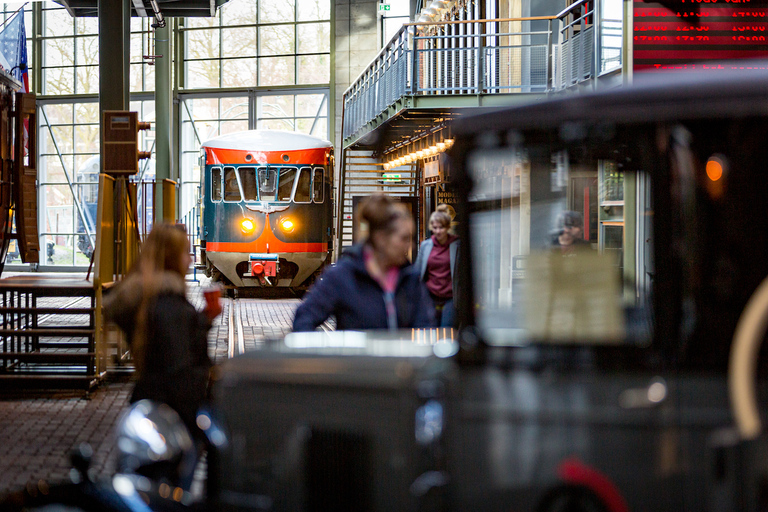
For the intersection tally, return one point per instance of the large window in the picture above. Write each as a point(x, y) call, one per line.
point(253, 65)
point(258, 44)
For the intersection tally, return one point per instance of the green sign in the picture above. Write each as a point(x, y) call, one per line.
point(390, 177)
point(383, 7)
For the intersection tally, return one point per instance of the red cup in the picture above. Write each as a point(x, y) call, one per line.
point(212, 294)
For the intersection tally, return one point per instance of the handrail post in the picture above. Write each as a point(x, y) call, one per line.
point(550, 58)
point(414, 62)
point(598, 27)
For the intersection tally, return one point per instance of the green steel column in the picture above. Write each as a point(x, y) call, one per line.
point(114, 54)
point(163, 113)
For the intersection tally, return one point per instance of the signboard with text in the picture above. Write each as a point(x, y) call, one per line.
point(690, 34)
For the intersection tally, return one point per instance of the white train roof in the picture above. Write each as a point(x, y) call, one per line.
point(266, 140)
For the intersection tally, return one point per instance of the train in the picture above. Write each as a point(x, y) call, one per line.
point(266, 209)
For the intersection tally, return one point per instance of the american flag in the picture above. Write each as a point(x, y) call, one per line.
point(13, 49)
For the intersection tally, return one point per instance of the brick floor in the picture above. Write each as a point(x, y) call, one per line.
point(37, 431)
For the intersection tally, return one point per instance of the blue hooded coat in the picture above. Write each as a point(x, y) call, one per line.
point(349, 293)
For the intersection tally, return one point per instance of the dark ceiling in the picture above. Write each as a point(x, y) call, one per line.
point(142, 8)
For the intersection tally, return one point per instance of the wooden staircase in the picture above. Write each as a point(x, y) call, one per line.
point(48, 337)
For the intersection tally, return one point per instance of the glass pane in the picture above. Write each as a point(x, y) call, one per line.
point(309, 10)
point(267, 184)
point(275, 124)
point(302, 194)
point(233, 126)
point(248, 180)
point(51, 170)
point(87, 79)
point(137, 47)
point(216, 184)
point(538, 275)
point(87, 113)
point(286, 184)
point(238, 12)
point(234, 108)
point(202, 44)
point(314, 69)
point(317, 185)
point(58, 114)
point(318, 128)
point(87, 139)
point(277, 71)
point(203, 74)
point(238, 42)
point(275, 11)
point(309, 104)
point(59, 52)
point(203, 108)
point(231, 190)
point(277, 40)
point(57, 23)
point(275, 106)
point(314, 38)
point(87, 25)
point(63, 136)
point(239, 73)
point(87, 50)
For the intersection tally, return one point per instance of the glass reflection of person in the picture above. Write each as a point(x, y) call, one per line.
point(569, 235)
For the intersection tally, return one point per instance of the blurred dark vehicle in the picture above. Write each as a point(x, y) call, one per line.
point(585, 380)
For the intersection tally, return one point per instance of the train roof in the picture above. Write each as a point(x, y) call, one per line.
point(733, 89)
point(267, 140)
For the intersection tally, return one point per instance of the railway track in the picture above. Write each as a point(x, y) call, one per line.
point(235, 312)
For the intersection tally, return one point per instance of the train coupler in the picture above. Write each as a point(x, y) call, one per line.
point(262, 266)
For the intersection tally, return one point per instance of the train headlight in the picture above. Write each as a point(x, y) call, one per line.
point(247, 226)
point(287, 225)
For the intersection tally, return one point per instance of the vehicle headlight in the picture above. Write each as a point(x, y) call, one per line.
point(287, 225)
point(247, 226)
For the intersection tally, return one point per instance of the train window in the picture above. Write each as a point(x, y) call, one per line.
point(231, 188)
point(216, 184)
point(303, 186)
point(285, 187)
point(248, 180)
point(317, 185)
point(552, 259)
point(267, 184)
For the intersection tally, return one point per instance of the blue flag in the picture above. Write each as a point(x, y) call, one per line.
point(13, 49)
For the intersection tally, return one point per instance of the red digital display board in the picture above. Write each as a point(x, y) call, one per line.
point(690, 34)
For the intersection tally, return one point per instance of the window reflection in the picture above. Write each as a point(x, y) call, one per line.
point(549, 246)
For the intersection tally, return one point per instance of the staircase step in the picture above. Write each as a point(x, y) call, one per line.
point(49, 357)
point(49, 331)
point(48, 311)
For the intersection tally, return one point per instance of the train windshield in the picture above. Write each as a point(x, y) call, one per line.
point(561, 244)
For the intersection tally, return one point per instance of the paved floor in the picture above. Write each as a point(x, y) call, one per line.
point(38, 431)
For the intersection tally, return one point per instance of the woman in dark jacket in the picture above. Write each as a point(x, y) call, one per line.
point(168, 337)
point(372, 286)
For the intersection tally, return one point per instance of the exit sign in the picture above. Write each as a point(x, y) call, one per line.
point(384, 7)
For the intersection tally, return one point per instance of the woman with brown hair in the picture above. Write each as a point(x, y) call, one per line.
point(167, 336)
point(372, 286)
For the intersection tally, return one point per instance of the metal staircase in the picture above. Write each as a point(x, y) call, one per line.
point(361, 176)
point(48, 334)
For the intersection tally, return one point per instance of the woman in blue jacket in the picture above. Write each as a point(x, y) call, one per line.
point(372, 286)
